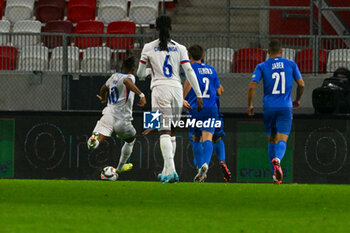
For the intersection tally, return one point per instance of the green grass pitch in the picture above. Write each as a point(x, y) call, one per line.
point(96, 206)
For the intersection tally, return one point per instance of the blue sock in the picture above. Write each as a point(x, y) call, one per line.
point(280, 149)
point(207, 151)
point(198, 154)
point(219, 148)
point(271, 151)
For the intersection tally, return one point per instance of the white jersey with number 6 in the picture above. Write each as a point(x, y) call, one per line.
point(165, 65)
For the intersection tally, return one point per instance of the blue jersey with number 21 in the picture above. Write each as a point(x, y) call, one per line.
point(278, 75)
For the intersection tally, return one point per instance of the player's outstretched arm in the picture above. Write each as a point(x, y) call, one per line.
point(192, 79)
point(131, 86)
point(103, 96)
point(300, 91)
point(251, 93)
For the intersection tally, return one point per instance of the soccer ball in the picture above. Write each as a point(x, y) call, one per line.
point(108, 173)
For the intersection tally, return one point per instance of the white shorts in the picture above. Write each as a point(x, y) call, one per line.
point(107, 124)
point(169, 101)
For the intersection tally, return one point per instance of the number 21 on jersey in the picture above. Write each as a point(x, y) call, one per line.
point(279, 77)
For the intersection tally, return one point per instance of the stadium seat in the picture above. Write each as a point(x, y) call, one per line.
point(56, 62)
point(220, 58)
point(26, 26)
point(247, 59)
point(5, 26)
point(88, 27)
point(1, 8)
point(47, 10)
point(79, 10)
point(8, 58)
point(144, 11)
point(17, 10)
point(286, 53)
point(96, 60)
point(305, 58)
point(57, 26)
point(34, 58)
point(112, 10)
point(121, 27)
point(338, 58)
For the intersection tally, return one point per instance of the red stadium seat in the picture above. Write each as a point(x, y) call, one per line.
point(8, 58)
point(121, 27)
point(305, 58)
point(247, 59)
point(89, 27)
point(79, 10)
point(47, 10)
point(1, 8)
point(57, 26)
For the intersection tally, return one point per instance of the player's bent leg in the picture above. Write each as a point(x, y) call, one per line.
point(103, 129)
point(126, 151)
point(271, 150)
point(208, 148)
point(280, 150)
point(167, 151)
point(219, 148)
point(95, 140)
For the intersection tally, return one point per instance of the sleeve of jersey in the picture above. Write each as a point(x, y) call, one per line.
point(141, 71)
point(192, 78)
point(257, 75)
point(296, 72)
point(184, 55)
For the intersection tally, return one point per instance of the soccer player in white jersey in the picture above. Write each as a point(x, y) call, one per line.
point(165, 56)
point(119, 91)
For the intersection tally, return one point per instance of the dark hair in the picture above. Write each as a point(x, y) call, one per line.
point(275, 46)
point(196, 52)
point(163, 25)
point(128, 64)
point(341, 71)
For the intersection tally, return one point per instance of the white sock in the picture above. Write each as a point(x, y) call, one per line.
point(125, 154)
point(167, 152)
point(173, 142)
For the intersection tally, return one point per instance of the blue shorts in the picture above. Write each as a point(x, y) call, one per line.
point(219, 132)
point(204, 115)
point(278, 121)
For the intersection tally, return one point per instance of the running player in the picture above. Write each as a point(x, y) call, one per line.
point(210, 87)
point(278, 74)
point(117, 115)
point(165, 56)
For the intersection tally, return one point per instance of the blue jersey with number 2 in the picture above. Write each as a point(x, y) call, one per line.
point(278, 75)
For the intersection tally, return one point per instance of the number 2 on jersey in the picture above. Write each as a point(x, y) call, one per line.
point(279, 76)
point(205, 92)
point(167, 68)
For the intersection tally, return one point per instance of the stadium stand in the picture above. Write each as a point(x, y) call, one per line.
point(26, 26)
point(47, 10)
point(246, 59)
point(144, 11)
point(338, 58)
point(96, 59)
point(121, 27)
point(220, 58)
point(5, 27)
point(34, 58)
point(79, 10)
point(286, 53)
point(112, 10)
point(57, 26)
point(305, 60)
point(88, 27)
point(56, 62)
point(17, 10)
point(8, 58)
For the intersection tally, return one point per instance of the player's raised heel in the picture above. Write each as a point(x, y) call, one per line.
point(202, 174)
point(126, 167)
point(93, 141)
point(278, 174)
point(225, 171)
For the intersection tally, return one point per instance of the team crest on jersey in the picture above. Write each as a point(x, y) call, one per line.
point(151, 120)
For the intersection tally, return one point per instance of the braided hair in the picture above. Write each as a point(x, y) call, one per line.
point(163, 25)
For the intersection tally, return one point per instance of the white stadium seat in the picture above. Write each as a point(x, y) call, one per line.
point(144, 11)
point(34, 58)
point(112, 10)
point(96, 60)
point(287, 53)
point(220, 58)
point(26, 26)
point(5, 26)
point(338, 58)
point(17, 10)
point(56, 62)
